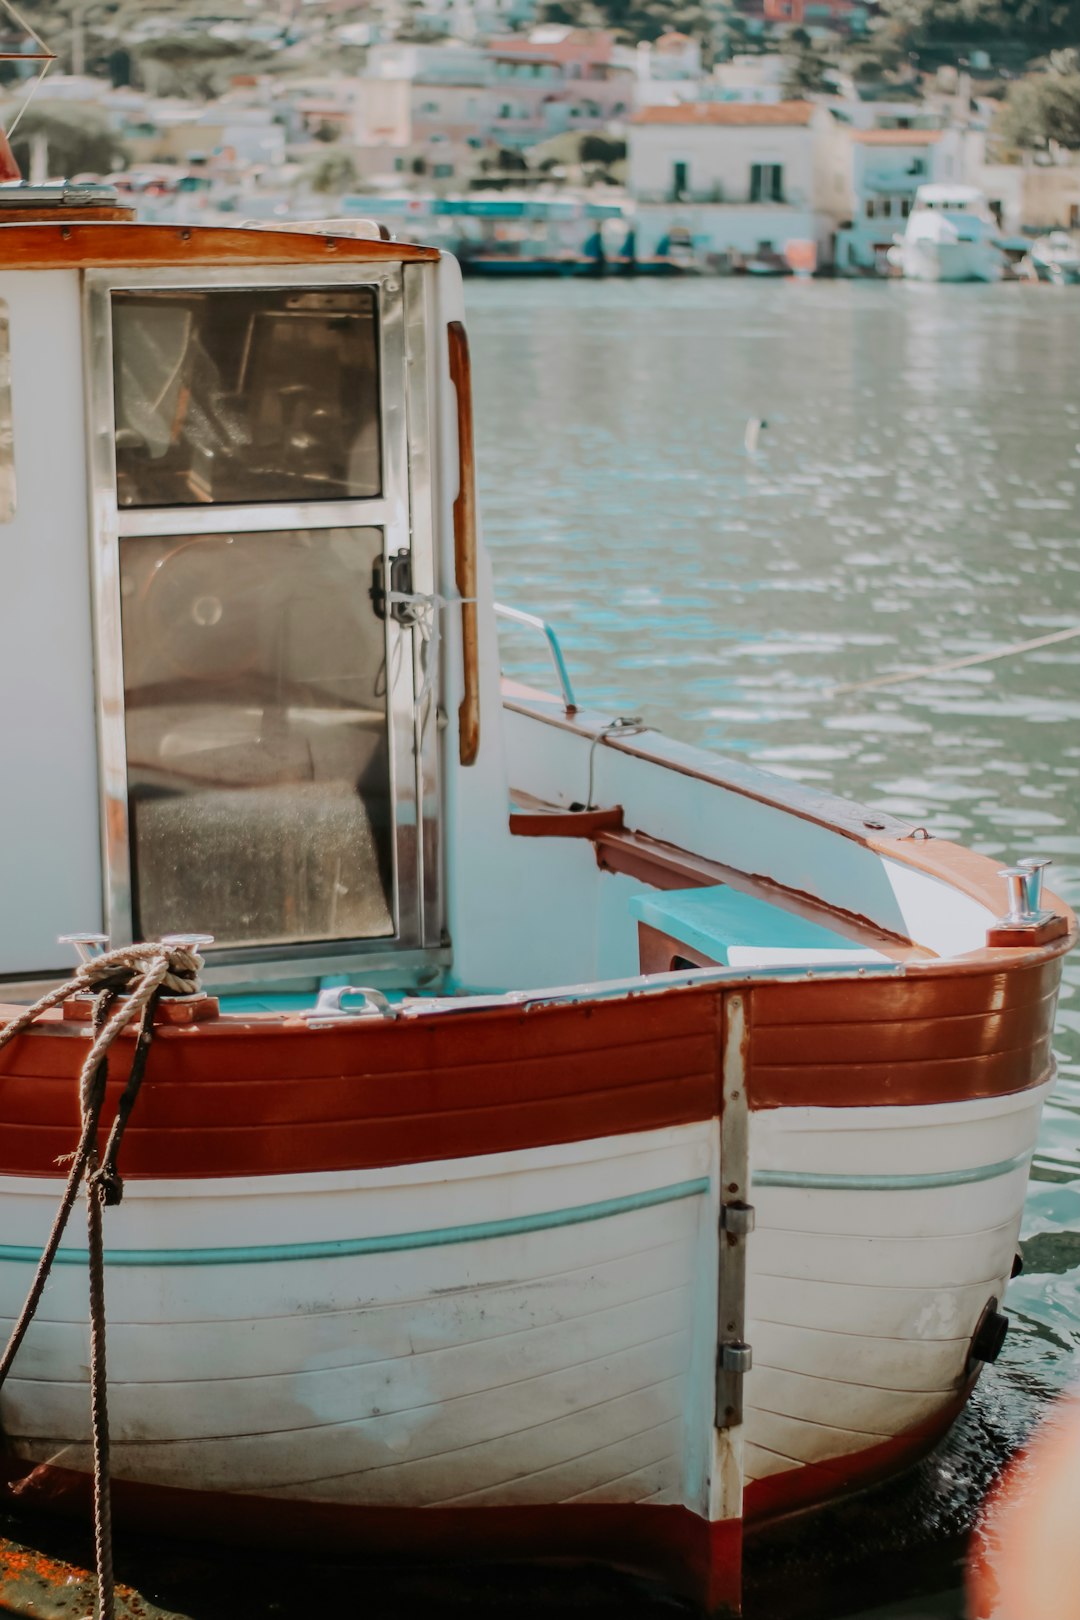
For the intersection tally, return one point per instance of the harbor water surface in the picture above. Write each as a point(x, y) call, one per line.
point(910, 499)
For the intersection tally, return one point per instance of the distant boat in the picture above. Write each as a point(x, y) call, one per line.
point(668, 260)
point(524, 259)
point(951, 235)
point(1055, 258)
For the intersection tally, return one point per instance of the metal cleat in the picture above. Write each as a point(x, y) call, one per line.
point(1025, 894)
point(329, 1005)
point(87, 946)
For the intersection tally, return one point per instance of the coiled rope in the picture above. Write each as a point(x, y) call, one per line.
point(126, 985)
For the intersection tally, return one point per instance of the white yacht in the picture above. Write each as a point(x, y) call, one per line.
point(951, 235)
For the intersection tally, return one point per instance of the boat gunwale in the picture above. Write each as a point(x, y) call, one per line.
point(973, 875)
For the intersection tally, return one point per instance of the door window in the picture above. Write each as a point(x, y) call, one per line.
point(245, 396)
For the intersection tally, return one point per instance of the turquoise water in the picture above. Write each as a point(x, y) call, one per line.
point(911, 500)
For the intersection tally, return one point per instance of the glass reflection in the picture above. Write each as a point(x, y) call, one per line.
point(241, 396)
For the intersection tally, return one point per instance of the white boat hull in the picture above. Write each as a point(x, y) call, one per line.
point(927, 260)
point(528, 1328)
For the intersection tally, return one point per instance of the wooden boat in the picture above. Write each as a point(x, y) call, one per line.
point(664, 1174)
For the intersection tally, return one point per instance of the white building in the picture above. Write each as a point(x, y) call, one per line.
point(739, 177)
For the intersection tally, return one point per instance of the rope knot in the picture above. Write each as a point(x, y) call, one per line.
point(108, 1184)
point(175, 967)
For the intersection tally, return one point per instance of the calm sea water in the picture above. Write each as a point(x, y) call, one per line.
point(912, 499)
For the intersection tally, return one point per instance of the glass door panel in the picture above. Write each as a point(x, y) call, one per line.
point(259, 763)
point(245, 395)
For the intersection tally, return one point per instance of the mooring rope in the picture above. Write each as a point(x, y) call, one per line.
point(958, 663)
point(126, 985)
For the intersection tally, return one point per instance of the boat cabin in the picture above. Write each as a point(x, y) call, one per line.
point(222, 492)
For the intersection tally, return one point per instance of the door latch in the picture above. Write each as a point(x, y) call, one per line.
point(401, 584)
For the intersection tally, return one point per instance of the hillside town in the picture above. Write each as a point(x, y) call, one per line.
point(776, 135)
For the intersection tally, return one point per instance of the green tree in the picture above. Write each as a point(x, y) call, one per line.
point(334, 174)
point(1032, 26)
point(197, 66)
point(601, 149)
point(635, 20)
point(1042, 108)
point(79, 141)
point(804, 72)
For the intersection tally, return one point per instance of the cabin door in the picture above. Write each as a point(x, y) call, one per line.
point(261, 655)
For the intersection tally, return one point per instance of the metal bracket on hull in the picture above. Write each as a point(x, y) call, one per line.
point(733, 1355)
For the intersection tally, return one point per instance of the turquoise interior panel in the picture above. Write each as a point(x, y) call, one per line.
point(712, 920)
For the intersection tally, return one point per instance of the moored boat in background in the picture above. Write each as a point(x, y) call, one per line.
point(950, 235)
point(662, 1173)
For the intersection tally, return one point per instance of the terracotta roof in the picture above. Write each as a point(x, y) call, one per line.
point(896, 137)
point(730, 113)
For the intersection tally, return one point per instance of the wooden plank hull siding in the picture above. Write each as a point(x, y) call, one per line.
point(247, 1096)
point(270, 1096)
point(933, 1036)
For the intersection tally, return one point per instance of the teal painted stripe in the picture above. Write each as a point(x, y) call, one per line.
point(933, 1178)
point(392, 1243)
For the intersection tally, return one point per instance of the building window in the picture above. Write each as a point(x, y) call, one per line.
point(766, 182)
point(905, 207)
point(442, 171)
point(917, 166)
point(886, 208)
point(680, 180)
point(871, 207)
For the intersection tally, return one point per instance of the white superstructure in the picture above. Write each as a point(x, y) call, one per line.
point(951, 235)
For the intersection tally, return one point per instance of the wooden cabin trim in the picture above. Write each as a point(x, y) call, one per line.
point(67, 214)
point(123, 245)
point(466, 569)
